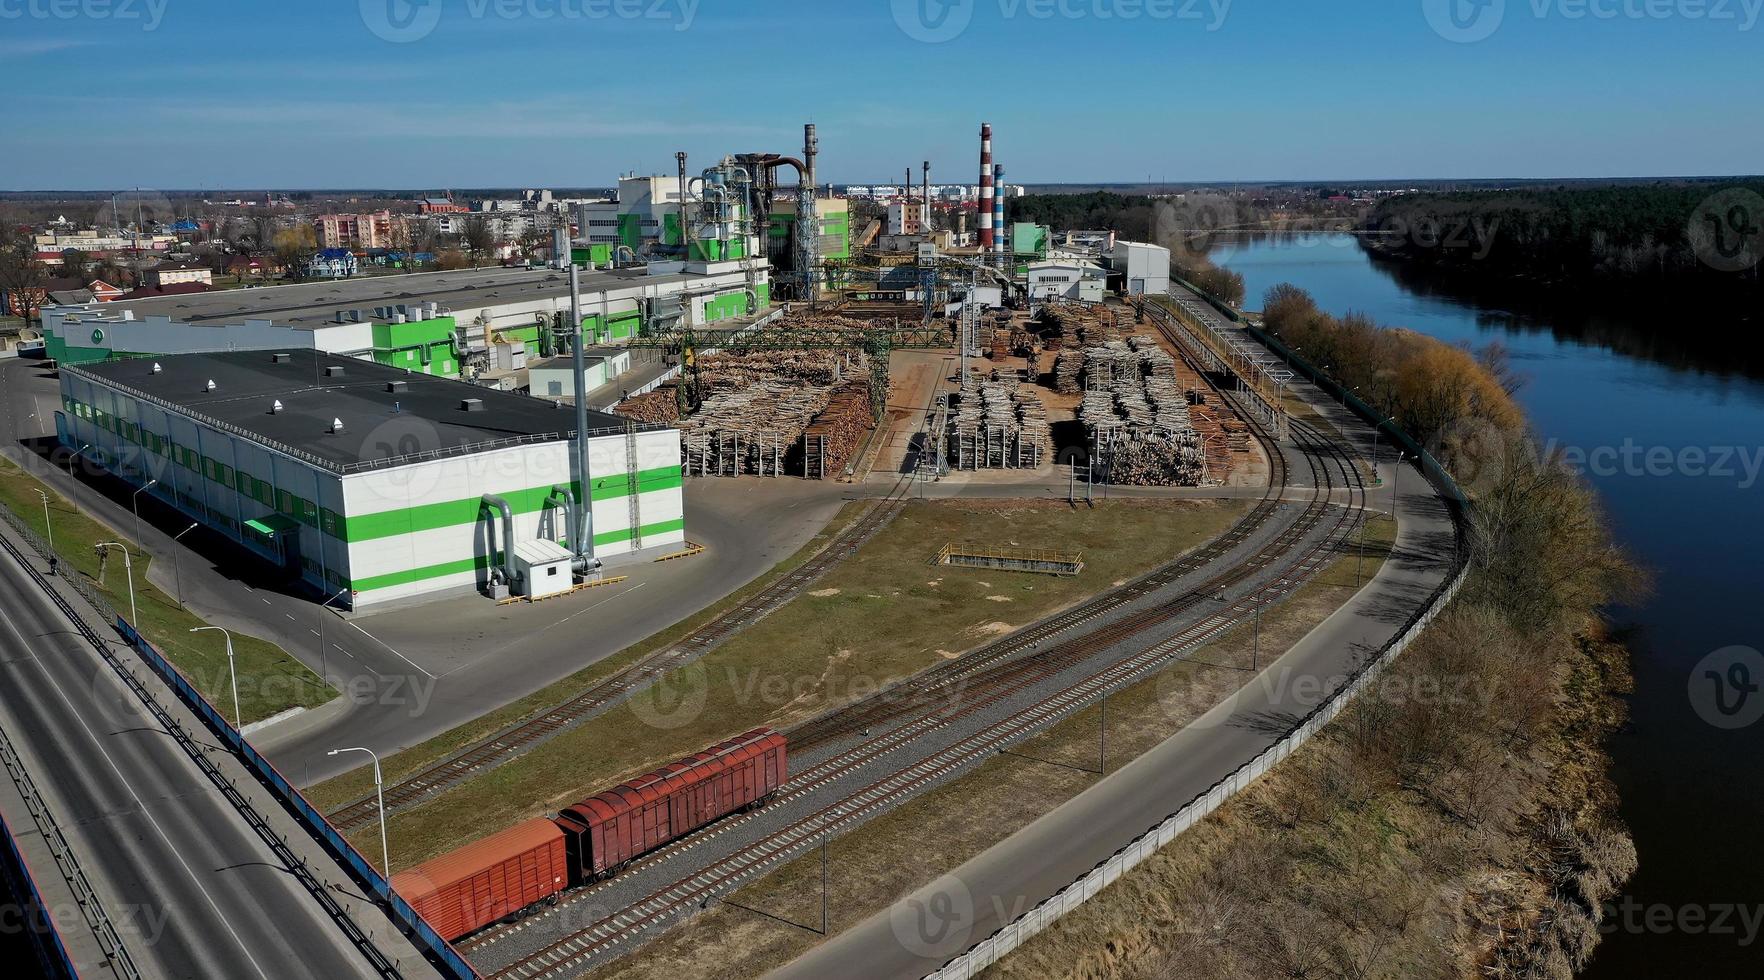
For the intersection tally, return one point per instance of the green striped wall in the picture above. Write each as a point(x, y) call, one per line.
point(482, 562)
point(429, 517)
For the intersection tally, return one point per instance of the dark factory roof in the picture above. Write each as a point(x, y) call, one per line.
point(389, 416)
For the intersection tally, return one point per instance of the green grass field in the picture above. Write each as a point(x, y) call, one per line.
point(270, 681)
point(881, 615)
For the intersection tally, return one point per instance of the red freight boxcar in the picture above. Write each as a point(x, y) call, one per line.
point(464, 891)
point(645, 813)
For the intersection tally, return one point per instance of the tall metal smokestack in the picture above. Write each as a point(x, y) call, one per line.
point(808, 224)
point(685, 226)
point(925, 218)
point(985, 216)
point(998, 214)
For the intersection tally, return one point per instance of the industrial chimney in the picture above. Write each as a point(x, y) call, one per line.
point(925, 219)
point(1002, 233)
point(985, 216)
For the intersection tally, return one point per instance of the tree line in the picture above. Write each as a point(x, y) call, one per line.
point(1701, 236)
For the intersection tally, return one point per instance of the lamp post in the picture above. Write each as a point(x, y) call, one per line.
point(238, 718)
point(324, 661)
point(129, 572)
point(48, 525)
point(380, 797)
point(177, 568)
point(70, 474)
point(135, 505)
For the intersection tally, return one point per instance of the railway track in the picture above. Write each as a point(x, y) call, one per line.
point(986, 680)
point(596, 700)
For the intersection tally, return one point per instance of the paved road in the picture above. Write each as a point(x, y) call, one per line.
point(194, 890)
point(413, 673)
point(921, 931)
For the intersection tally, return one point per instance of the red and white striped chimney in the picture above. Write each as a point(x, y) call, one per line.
point(986, 239)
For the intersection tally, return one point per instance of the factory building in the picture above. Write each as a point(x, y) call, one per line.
point(446, 323)
point(1067, 279)
point(1145, 269)
point(385, 485)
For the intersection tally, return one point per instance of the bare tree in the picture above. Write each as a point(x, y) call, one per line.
point(22, 276)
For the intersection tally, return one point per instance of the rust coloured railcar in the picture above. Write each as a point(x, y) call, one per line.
point(490, 879)
point(508, 874)
point(636, 817)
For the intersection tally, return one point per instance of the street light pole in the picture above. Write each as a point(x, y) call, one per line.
point(177, 567)
point(380, 796)
point(48, 525)
point(324, 661)
point(135, 505)
point(70, 474)
point(129, 573)
point(238, 718)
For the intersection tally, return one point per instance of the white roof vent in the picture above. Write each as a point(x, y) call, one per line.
point(209, 386)
point(276, 407)
point(336, 426)
point(157, 368)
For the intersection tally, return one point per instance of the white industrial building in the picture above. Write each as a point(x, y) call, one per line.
point(1067, 279)
point(377, 483)
point(1146, 268)
point(444, 323)
point(555, 377)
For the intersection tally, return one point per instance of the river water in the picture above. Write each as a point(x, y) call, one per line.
point(1672, 430)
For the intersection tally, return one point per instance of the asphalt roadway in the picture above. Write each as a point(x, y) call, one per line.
point(409, 674)
point(922, 930)
point(194, 891)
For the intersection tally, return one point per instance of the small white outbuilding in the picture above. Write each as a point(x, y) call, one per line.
point(543, 568)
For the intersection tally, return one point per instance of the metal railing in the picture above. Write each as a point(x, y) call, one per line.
point(439, 952)
point(103, 929)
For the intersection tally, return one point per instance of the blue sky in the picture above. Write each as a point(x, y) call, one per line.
point(518, 93)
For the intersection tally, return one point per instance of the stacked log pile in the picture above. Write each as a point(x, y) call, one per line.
point(660, 406)
point(999, 424)
point(833, 437)
point(1069, 371)
point(1138, 416)
point(751, 430)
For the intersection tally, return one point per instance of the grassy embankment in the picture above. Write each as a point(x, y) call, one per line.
point(905, 848)
point(882, 615)
point(270, 681)
point(1456, 820)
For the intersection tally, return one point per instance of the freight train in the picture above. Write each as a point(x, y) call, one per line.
point(508, 874)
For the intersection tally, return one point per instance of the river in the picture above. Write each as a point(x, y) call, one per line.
point(1674, 434)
